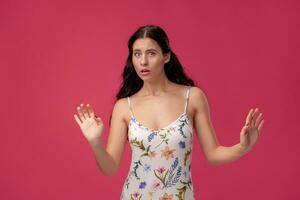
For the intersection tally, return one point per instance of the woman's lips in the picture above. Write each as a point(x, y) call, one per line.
point(145, 72)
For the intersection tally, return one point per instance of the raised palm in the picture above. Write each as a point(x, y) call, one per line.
point(251, 130)
point(90, 125)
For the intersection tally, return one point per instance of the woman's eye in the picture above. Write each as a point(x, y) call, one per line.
point(136, 54)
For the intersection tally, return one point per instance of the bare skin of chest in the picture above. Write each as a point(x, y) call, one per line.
point(158, 112)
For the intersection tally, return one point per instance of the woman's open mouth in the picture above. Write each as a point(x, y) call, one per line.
point(145, 72)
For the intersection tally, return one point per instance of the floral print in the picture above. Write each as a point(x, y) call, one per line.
point(142, 185)
point(166, 197)
point(167, 152)
point(161, 161)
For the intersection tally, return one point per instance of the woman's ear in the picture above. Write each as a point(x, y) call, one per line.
point(167, 57)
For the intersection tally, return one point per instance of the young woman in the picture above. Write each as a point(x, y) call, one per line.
point(156, 111)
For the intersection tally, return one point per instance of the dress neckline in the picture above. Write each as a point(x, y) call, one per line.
point(161, 129)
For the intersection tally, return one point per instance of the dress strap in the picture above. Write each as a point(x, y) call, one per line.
point(129, 103)
point(187, 99)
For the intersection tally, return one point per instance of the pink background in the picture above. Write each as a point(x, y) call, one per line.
point(55, 55)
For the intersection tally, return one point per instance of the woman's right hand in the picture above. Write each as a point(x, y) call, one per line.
point(90, 125)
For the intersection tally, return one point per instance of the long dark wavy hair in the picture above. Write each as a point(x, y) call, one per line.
point(132, 83)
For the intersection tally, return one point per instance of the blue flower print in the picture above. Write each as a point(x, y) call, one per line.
point(147, 168)
point(151, 136)
point(182, 144)
point(142, 185)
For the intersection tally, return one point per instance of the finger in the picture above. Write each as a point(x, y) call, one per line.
point(260, 125)
point(245, 129)
point(258, 119)
point(254, 115)
point(248, 119)
point(77, 120)
point(81, 116)
point(98, 120)
point(90, 110)
point(84, 111)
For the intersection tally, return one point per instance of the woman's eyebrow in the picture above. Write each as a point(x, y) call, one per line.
point(146, 50)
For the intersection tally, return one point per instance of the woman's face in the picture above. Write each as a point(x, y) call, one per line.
point(147, 58)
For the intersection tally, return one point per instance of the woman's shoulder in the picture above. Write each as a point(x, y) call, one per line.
point(195, 90)
point(196, 93)
point(198, 97)
point(121, 107)
point(121, 103)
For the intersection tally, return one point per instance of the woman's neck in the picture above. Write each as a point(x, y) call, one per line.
point(156, 88)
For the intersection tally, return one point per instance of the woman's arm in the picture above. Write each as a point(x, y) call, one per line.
point(104, 160)
point(108, 158)
point(117, 134)
point(215, 153)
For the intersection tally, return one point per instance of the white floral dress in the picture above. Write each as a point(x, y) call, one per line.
point(161, 160)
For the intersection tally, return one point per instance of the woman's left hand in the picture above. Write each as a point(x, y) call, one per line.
point(251, 131)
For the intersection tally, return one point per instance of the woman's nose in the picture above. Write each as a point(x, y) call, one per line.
point(144, 60)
